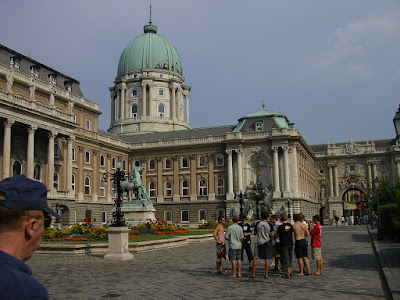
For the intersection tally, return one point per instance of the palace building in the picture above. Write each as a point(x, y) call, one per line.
point(50, 133)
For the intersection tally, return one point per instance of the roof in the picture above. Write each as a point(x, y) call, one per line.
point(379, 144)
point(177, 134)
point(149, 50)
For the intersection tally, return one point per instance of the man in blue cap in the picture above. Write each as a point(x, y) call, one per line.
point(23, 214)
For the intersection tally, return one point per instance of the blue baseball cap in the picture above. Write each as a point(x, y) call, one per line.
point(24, 193)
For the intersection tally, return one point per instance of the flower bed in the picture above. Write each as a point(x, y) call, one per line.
point(89, 232)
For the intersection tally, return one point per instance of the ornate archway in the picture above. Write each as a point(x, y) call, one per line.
point(354, 202)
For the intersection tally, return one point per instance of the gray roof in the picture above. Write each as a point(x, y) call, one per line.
point(177, 134)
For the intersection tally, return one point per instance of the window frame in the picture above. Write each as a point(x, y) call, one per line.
point(102, 160)
point(86, 186)
point(220, 187)
point(168, 190)
point(202, 188)
point(219, 157)
point(151, 166)
point(202, 161)
point(87, 157)
point(161, 114)
point(188, 216)
point(183, 159)
point(185, 188)
point(56, 180)
point(88, 124)
point(152, 189)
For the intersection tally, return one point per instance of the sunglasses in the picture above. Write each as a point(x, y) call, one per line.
point(46, 218)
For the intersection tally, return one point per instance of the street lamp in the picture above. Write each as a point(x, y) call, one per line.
point(371, 212)
point(117, 178)
point(396, 121)
point(241, 203)
point(380, 237)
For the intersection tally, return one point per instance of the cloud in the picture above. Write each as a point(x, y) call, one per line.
point(357, 39)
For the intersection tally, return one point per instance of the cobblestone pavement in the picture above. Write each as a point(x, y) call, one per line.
point(351, 270)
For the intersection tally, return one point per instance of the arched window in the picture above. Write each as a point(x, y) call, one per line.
point(37, 172)
point(185, 162)
point(88, 124)
point(168, 188)
point(136, 163)
point(17, 168)
point(185, 216)
point(219, 160)
point(220, 186)
point(167, 164)
point(73, 154)
point(113, 163)
point(152, 165)
point(202, 187)
point(168, 216)
point(161, 110)
point(56, 181)
point(134, 111)
point(56, 150)
point(124, 165)
point(102, 160)
point(185, 188)
point(73, 182)
point(87, 157)
point(202, 161)
point(152, 189)
point(103, 217)
point(202, 215)
point(87, 185)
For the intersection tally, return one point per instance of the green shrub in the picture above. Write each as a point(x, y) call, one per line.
point(390, 223)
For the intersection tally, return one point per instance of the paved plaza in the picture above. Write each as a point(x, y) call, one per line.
point(351, 270)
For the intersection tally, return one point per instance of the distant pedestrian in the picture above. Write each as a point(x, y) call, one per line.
point(336, 220)
point(234, 234)
point(24, 214)
point(263, 248)
point(301, 247)
point(316, 244)
point(285, 235)
point(219, 236)
point(247, 232)
point(343, 221)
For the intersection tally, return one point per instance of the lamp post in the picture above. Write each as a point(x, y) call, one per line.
point(117, 178)
point(371, 211)
point(396, 121)
point(380, 237)
point(241, 203)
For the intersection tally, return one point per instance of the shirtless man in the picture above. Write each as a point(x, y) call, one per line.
point(219, 236)
point(301, 247)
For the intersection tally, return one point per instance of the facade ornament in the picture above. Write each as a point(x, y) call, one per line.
point(52, 134)
point(210, 155)
point(228, 152)
point(143, 159)
point(80, 148)
point(9, 122)
point(108, 155)
point(192, 156)
point(32, 129)
point(275, 148)
point(175, 157)
point(159, 158)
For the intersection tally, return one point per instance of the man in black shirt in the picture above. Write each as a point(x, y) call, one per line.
point(247, 240)
point(285, 234)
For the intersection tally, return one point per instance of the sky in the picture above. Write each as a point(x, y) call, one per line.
point(332, 67)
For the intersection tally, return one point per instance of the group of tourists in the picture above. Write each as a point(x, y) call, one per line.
point(276, 239)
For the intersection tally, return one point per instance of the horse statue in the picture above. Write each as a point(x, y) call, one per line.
point(135, 184)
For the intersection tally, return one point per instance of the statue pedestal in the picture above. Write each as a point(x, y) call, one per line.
point(118, 244)
point(137, 212)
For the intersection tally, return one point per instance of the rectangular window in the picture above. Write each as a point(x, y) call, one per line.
point(87, 124)
point(104, 217)
point(185, 216)
point(160, 92)
point(134, 92)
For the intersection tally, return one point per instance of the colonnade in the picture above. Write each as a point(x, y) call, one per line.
point(290, 175)
point(120, 111)
point(52, 134)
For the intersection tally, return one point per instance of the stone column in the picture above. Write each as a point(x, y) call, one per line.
point(144, 172)
point(150, 108)
point(286, 191)
point(177, 104)
point(277, 189)
point(374, 174)
point(94, 179)
point(176, 197)
point(50, 162)
point(80, 179)
point(69, 166)
point(397, 170)
point(193, 178)
point(52, 96)
point(112, 95)
point(7, 147)
point(330, 181)
point(144, 102)
point(187, 107)
point(336, 179)
point(173, 103)
point(118, 117)
point(160, 183)
point(30, 152)
point(109, 185)
point(370, 179)
point(240, 170)
point(10, 82)
point(295, 177)
point(211, 178)
point(123, 89)
point(230, 195)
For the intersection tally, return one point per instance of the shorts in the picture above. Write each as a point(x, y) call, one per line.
point(287, 256)
point(274, 250)
point(219, 247)
point(316, 253)
point(235, 254)
point(278, 249)
point(263, 251)
point(301, 248)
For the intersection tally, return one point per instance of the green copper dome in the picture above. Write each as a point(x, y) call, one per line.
point(149, 50)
